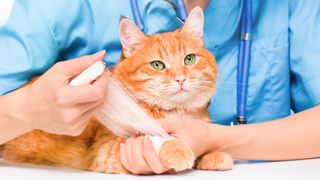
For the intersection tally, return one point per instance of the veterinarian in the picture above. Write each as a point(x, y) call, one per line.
point(284, 74)
point(37, 37)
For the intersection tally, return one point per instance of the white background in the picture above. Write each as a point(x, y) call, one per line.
point(290, 170)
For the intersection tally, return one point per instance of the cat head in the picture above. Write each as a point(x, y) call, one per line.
point(169, 70)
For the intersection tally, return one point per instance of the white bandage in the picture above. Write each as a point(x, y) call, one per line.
point(89, 75)
point(158, 141)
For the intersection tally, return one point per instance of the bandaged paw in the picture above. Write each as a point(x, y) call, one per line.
point(158, 141)
point(173, 153)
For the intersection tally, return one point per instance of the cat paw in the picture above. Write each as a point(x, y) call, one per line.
point(215, 161)
point(106, 158)
point(176, 155)
point(110, 168)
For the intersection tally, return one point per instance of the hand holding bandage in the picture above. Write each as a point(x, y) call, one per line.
point(48, 103)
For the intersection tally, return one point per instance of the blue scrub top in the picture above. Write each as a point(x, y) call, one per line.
point(285, 65)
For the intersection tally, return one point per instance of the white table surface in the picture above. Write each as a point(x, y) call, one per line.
point(289, 170)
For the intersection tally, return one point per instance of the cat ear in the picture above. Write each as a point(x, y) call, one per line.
point(131, 36)
point(194, 23)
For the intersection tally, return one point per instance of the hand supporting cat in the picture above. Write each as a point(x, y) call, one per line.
point(139, 156)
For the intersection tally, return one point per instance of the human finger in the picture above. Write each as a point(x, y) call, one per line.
point(152, 158)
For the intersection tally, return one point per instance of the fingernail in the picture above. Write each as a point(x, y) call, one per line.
point(101, 54)
point(106, 73)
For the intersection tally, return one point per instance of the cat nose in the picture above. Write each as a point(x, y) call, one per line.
point(180, 80)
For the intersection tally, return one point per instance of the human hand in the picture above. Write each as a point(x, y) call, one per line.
point(195, 133)
point(139, 157)
point(52, 105)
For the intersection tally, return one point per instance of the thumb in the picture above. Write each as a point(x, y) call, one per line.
point(170, 125)
point(77, 65)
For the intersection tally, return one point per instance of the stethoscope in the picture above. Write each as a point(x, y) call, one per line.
point(244, 58)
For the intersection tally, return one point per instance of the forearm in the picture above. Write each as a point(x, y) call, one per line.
point(294, 137)
point(10, 125)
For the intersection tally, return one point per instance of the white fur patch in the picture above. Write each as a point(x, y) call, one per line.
point(5, 10)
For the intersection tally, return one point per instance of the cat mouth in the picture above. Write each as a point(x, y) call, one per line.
point(180, 91)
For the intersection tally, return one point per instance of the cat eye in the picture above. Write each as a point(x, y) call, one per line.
point(190, 59)
point(157, 65)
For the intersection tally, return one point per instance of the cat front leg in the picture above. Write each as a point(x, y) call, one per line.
point(215, 161)
point(104, 156)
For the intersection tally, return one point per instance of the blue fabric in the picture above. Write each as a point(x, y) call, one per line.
point(285, 67)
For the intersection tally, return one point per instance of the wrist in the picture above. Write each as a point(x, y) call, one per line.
point(10, 126)
point(15, 111)
point(232, 139)
point(216, 139)
point(212, 138)
point(223, 138)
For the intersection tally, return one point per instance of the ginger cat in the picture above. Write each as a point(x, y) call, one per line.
point(169, 74)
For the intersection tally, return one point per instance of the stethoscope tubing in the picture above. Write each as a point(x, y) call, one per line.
point(182, 10)
point(244, 58)
point(136, 14)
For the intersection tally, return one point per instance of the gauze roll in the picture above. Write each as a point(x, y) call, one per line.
point(120, 113)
